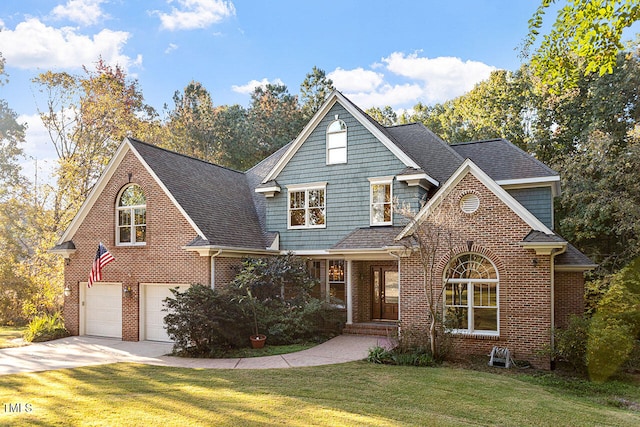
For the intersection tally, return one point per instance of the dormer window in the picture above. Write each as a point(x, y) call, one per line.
point(337, 142)
point(131, 217)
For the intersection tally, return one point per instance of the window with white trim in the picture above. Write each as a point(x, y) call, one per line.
point(307, 207)
point(336, 275)
point(471, 295)
point(381, 196)
point(131, 216)
point(337, 142)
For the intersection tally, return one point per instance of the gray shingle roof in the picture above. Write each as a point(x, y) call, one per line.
point(435, 157)
point(502, 160)
point(369, 238)
point(217, 199)
point(574, 257)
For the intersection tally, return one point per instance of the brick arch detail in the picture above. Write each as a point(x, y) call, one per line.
point(476, 249)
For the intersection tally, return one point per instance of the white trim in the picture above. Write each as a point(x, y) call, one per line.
point(299, 188)
point(133, 225)
point(469, 167)
point(385, 180)
point(315, 121)
point(526, 181)
point(349, 292)
point(417, 178)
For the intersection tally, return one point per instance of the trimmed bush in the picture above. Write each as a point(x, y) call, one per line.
point(46, 328)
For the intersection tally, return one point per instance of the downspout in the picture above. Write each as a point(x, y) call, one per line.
point(553, 291)
point(213, 268)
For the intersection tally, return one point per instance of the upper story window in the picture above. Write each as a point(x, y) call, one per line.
point(471, 295)
point(337, 142)
point(381, 192)
point(307, 206)
point(131, 217)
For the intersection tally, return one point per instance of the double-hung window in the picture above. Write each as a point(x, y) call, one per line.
point(307, 207)
point(471, 295)
point(131, 217)
point(381, 196)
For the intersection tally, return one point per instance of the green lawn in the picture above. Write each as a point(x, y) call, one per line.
point(8, 334)
point(353, 394)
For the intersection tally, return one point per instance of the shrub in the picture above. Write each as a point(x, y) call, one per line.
point(571, 343)
point(201, 321)
point(46, 328)
point(379, 354)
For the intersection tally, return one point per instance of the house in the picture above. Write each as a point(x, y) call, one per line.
point(505, 277)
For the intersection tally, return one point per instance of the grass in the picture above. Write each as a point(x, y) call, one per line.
point(10, 333)
point(353, 394)
point(268, 350)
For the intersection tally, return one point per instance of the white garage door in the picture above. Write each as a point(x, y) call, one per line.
point(152, 314)
point(103, 310)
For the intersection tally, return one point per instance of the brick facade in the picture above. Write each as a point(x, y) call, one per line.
point(494, 231)
point(161, 260)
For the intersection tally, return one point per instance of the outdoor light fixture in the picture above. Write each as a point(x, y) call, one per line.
point(126, 290)
point(535, 262)
point(67, 291)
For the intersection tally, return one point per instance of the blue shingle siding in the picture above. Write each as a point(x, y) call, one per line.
point(539, 201)
point(347, 191)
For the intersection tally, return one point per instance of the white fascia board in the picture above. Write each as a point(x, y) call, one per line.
point(469, 167)
point(315, 120)
point(229, 251)
point(416, 177)
point(96, 191)
point(552, 181)
point(543, 248)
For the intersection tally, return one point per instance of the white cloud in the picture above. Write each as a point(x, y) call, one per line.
point(35, 45)
point(442, 78)
point(195, 14)
point(402, 80)
point(171, 48)
point(253, 84)
point(356, 80)
point(83, 12)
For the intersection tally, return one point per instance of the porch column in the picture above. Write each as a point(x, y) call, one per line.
point(349, 295)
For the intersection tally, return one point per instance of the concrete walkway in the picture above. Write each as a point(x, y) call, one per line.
point(73, 352)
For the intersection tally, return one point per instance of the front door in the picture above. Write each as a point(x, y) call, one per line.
point(384, 283)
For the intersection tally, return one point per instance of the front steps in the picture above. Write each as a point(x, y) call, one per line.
point(379, 329)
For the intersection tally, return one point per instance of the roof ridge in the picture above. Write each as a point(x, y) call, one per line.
point(182, 155)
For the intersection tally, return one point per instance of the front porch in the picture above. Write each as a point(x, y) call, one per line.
point(387, 329)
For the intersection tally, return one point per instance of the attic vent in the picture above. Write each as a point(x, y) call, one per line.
point(469, 203)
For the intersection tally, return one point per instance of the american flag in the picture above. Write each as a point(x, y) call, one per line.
point(103, 257)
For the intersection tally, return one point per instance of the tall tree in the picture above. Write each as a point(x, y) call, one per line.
point(233, 137)
point(274, 119)
point(191, 124)
point(385, 116)
point(585, 31)
point(314, 90)
point(87, 117)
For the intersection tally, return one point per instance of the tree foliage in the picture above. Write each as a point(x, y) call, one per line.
point(314, 90)
point(586, 38)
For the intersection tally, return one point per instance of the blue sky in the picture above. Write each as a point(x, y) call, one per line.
point(377, 52)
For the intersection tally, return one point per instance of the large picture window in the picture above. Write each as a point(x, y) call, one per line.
point(131, 217)
point(307, 207)
point(337, 143)
point(471, 295)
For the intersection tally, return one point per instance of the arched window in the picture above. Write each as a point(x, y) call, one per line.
point(131, 216)
point(337, 142)
point(471, 295)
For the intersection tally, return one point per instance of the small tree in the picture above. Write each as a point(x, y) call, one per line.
point(430, 238)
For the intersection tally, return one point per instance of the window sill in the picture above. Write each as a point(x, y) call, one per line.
point(488, 336)
point(131, 245)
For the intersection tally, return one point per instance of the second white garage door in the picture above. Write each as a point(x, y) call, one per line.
point(151, 311)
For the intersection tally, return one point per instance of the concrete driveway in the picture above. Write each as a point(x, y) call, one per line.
point(73, 352)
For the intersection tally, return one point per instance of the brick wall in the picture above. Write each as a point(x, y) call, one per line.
point(161, 260)
point(524, 288)
point(569, 296)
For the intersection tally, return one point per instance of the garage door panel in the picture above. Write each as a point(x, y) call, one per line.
point(103, 310)
point(153, 314)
